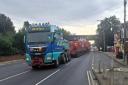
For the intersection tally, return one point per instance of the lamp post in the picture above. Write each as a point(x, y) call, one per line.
point(124, 40)
point(112, 58)
point(104, 40)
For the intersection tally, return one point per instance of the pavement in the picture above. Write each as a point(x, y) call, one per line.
point(12, 61)
point(114, 74)
point(113, 56)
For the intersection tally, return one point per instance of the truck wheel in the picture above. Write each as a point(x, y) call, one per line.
point(63, 59)
point(75, 55)
point(56, 63)
point(69, 58)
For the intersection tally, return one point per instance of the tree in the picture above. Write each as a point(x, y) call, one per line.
point(7, 33)
point(19, 41)
point(6, 45)
point(65, 32)
point(106, 30)
point(6, 25)
point(19, 38)
point(25, 26)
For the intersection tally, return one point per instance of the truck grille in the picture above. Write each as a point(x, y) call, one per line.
point(38, 60)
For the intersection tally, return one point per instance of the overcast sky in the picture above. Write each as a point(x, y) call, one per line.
point(77, 16)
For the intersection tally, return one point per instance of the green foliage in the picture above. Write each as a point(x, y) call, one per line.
point(19, 38)
point(106, 30)
point(7, 33)
point(25, 26)
point(6, 45)
point(19, 44)
point(10, 42)
point(6, 24)
point(65, 32)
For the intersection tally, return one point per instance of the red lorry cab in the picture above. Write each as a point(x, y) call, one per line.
point(75, 47)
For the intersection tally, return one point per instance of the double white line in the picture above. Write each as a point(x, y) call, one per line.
point(90, 78)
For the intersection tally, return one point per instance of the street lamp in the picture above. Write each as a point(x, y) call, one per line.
point(124, 40)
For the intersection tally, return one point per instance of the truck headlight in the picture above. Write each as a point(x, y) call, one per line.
point(27, 59)
point(40, 49)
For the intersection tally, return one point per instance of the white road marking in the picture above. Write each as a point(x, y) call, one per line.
point(91, 77)
point(93, 60)
point(47, 77)
point(14, 76)
point(89, 81)
point(92, 68)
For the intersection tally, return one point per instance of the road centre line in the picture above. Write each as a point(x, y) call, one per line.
point(93, 60)
point(47, 77)
point(14, 76)
point(89, 81)
point(91, 77)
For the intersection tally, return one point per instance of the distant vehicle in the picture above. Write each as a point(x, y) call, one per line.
point(75, 48)
point(94, 48)
point(87, 45)
point(45, 46)
point(78, 46)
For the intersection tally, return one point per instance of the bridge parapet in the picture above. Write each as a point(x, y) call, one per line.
point(74, 37)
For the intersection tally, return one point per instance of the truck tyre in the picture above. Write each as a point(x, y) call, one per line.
point(63, 59)
point(75, 55)
point(56, 63)
point(67, 57)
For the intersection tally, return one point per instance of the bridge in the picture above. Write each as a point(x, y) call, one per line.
point(88, 37)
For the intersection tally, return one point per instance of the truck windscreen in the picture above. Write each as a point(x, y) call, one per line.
point(38, 37)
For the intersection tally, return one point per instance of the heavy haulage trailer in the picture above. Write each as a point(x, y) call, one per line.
point(78, 46)
point(45, 45)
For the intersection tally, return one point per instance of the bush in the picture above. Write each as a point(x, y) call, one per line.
point(6, 45)
point(19, 42)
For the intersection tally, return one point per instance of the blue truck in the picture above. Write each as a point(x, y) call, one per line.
point(45, 45)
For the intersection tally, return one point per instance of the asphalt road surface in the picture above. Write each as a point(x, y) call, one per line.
point(72, 73)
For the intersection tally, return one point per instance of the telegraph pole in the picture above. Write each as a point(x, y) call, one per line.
point(125, 3)
point(104, 40)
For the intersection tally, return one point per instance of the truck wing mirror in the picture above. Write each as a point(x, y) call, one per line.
point(24, 39)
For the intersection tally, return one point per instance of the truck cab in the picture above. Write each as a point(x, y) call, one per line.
point(45, 47)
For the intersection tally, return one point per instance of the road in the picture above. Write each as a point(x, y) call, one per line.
point(72, 73)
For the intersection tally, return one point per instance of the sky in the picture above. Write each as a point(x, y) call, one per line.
point(77, 16)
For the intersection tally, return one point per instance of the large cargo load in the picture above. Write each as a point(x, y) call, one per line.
point(78, 46)
point(45, 46)
point(75, 48)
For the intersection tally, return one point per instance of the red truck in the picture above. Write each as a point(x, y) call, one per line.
point(87, 45)
point(75, 48)
point(79, 47)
